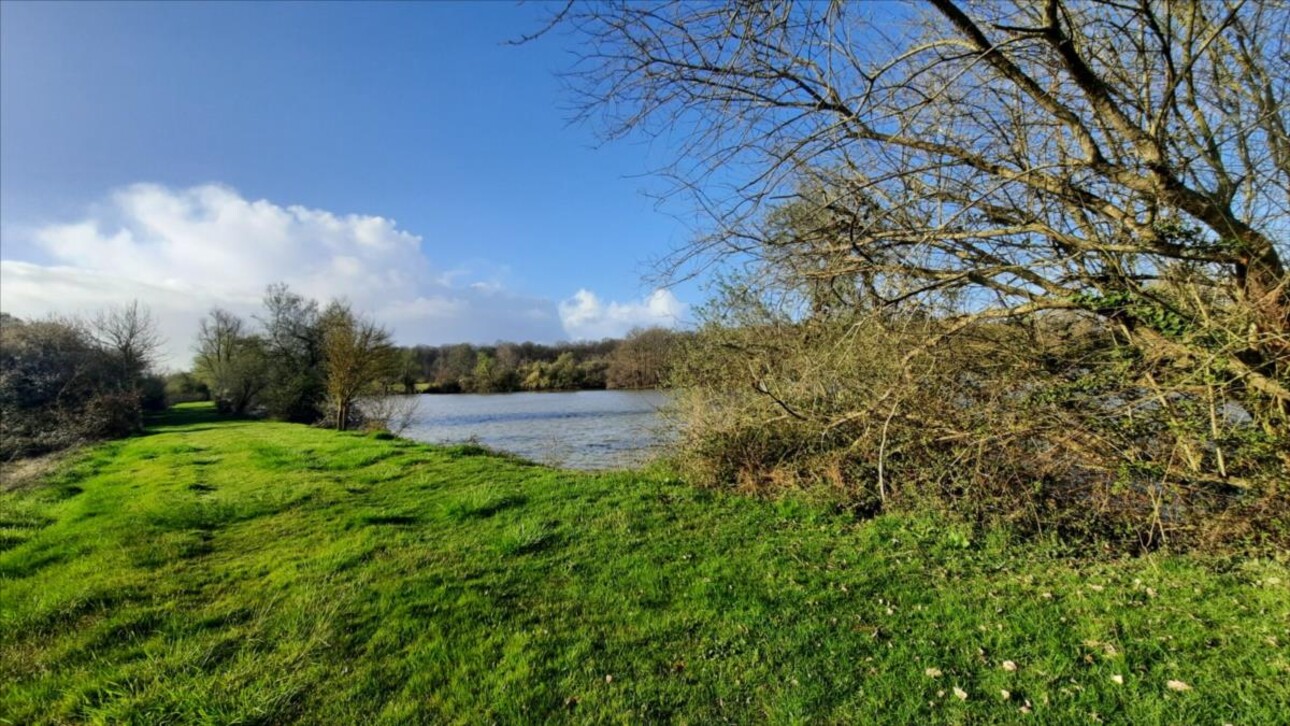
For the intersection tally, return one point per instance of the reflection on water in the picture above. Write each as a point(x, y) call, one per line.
point(579, 429)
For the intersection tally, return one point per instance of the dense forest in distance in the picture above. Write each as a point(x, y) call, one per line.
point(638, 361)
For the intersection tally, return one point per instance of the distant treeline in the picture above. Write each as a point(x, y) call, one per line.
point(640, 360)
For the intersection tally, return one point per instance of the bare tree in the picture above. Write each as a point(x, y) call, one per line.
point(358, 353)
point(128, 334)
point(1128, 161)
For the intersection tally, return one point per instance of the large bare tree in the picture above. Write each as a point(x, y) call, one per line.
point(1127, 160)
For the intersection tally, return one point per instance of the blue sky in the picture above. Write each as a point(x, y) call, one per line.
point(401, 155)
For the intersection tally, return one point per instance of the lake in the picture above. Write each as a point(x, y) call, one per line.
point(574, 429)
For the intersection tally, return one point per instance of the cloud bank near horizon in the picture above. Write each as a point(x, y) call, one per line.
point(585, 316)
point(183, 251)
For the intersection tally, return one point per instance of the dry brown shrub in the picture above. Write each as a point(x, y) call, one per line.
point(1047, 426)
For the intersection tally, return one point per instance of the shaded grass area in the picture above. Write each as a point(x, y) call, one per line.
point(250, 572)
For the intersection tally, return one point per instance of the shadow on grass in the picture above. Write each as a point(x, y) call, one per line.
point(527, 539)
point(190, 417)
point(391, 519)
point(482, 507)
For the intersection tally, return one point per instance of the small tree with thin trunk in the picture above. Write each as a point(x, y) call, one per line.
point(358, 353)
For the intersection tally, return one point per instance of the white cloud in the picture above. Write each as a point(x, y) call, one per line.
point(211, 239)
point(182, 251)
point(34, 291)
point(585, 317)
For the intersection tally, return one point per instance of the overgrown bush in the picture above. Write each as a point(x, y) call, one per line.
point(388, 413)
point(1048, 426)
point(1023, 259)
point(110, 415)
point(152, 393)
point(64, 381)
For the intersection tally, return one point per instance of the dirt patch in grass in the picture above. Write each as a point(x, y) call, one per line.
point(26, 473)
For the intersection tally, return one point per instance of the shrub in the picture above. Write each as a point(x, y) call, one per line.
point(60, 385)
point(152, 393)
point(1048, 427)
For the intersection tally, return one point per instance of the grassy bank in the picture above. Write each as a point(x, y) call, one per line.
point(251, 572)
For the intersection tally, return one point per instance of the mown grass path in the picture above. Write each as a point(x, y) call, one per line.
point(251, 572)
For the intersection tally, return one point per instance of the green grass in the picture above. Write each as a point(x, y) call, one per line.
point(249, 572)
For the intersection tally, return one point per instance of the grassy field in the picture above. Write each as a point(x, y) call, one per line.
point(250, 572)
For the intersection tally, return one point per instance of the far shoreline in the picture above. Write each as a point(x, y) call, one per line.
point(430, 392)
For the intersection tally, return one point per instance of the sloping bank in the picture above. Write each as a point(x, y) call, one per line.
point(251, 572)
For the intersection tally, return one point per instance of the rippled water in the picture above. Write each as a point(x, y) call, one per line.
point(579, 429)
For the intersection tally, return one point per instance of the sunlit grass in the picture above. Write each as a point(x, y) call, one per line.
point(250, 572)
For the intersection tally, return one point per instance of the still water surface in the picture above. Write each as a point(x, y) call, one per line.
point(578, 429)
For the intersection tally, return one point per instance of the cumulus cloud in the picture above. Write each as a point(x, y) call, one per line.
point(183, 251)
point(586, 317)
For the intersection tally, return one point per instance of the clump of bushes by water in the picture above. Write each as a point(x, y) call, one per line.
point(1047, 427)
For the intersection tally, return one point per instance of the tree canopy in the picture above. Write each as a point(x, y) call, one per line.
point(1025, 257)
point(1129, 160)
